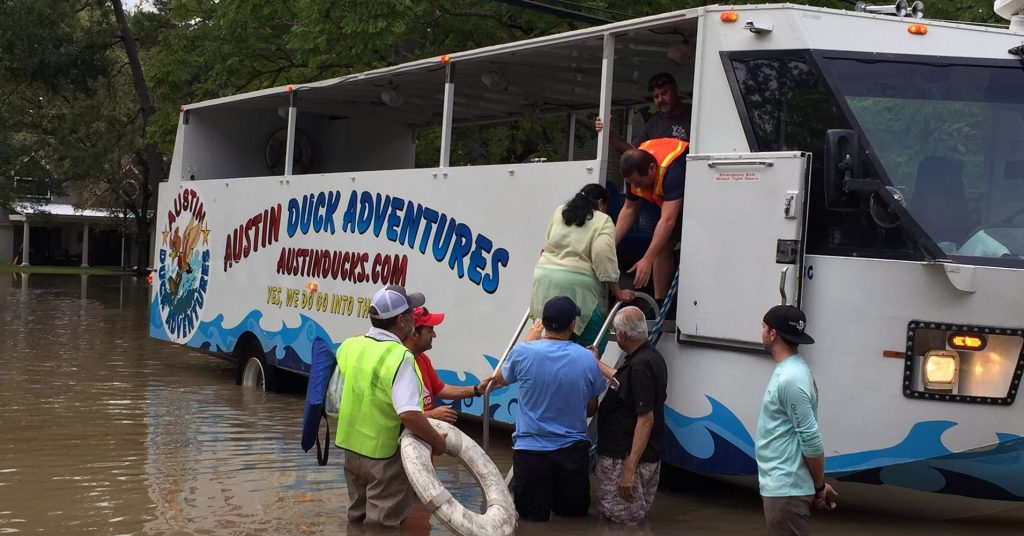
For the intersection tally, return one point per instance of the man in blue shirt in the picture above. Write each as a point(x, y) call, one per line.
point(559, 382)
point(789, 451)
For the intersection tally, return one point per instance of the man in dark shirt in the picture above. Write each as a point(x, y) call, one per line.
point(671, 121)
point(631, 425)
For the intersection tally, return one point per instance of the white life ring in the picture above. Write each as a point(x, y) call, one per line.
point(500, 517)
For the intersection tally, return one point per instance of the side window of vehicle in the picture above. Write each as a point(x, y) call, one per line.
point(786, 106)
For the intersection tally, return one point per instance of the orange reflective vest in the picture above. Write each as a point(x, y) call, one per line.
point(665, 151)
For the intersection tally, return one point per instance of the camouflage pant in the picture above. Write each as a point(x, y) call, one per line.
point(614, 508)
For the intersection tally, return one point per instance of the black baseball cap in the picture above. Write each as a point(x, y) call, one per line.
point(789, 322)
point(559, 312)
point(659, 80)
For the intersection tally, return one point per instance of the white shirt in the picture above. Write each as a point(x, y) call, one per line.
point(405, 390)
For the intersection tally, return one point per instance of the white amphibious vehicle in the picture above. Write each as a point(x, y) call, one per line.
point(866, 167)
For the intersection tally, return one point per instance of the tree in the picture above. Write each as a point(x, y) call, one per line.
point(151, 159)
point(66, 79)
point(76, 110)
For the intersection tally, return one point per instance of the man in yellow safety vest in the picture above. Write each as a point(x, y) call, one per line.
point(381, 392)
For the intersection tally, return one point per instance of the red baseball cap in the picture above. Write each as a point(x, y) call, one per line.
point(422, 317)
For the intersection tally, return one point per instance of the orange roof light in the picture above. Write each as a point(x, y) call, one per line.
point(313, 286)
point(289, 88)
point(445, 58)
point(730, 16)
point(917, 29)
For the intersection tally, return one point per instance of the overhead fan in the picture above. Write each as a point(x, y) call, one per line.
point(277, 145)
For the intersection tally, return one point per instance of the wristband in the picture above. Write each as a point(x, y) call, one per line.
point(819, 489)
point(476, 390)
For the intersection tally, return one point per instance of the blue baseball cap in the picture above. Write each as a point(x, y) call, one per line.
point(559, 312)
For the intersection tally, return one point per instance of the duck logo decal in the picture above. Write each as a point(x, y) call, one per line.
point(184, 265)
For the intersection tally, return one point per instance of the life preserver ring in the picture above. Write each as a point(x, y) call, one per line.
point(500, 516)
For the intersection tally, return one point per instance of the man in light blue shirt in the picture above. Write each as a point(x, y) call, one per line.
point(789, 451)
point(559, 382)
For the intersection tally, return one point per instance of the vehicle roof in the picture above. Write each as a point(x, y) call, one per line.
point(560, 89)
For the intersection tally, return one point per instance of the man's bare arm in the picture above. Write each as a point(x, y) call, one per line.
point(452, 392)
point(416, 422)
point(670, 211)
point(627, 217)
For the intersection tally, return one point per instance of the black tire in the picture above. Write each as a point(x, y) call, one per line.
point(253, 369)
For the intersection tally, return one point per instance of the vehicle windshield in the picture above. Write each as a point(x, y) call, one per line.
point(950, 139)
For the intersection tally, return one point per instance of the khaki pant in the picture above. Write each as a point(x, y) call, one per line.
point(788, 516)
point(614, 508)
point(378, 490)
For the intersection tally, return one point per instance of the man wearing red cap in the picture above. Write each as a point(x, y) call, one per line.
point(421, 340)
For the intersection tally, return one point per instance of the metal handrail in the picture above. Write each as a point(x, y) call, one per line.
point(607, 322)
point(490, 383)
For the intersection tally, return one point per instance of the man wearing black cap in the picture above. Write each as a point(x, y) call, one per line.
point(381, 392)
point(559, 382)
point(789, 451)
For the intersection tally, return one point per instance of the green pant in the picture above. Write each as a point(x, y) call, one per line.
point(591, 331)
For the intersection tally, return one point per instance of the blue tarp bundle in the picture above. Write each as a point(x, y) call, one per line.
point(321, 368)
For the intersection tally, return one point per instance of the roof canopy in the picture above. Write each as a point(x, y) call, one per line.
point(547, 75)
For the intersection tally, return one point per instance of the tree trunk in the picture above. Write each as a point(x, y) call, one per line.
point(152, 159)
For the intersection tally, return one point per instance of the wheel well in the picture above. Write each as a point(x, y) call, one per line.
point(244, 342)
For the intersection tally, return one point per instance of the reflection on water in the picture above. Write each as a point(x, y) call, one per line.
point(104, 431)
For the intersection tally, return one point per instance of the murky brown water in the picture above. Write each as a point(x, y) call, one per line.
point(104, 431)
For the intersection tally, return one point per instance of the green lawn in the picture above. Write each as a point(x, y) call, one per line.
point(65, 270)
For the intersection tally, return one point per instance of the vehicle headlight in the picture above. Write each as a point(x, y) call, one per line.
point(963, 363)
point(940, 369)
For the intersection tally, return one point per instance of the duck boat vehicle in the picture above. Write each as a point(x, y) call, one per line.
point(867, 167)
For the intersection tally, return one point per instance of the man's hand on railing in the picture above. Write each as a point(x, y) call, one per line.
point(607, 371)
point(487, 381)
point(536, 331)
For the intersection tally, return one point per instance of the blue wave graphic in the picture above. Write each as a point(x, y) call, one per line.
point(714, 443)
point(994, 472)
point(291, 347)
point(156, 326)
point(503, 400)
point(719, 443)
point(288, 347)
point(924, 441)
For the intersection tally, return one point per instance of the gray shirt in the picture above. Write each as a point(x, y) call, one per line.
point(662, 126)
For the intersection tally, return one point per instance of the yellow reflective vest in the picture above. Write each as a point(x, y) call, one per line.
point(367, 422)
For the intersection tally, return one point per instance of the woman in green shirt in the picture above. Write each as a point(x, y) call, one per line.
point(579, 261)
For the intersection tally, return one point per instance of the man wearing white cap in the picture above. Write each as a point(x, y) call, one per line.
point(381, 392)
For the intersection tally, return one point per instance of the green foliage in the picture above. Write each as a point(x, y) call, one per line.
point(68, 112)
point(55, 53)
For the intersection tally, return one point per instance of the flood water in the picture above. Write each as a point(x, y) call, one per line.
point(105, 431)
